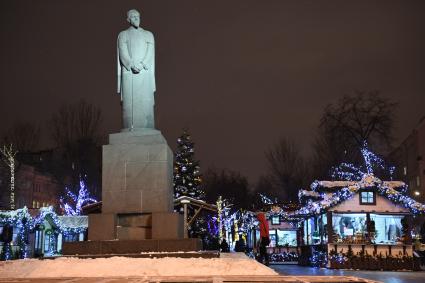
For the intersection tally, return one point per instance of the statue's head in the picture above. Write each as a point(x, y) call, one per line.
point(133, 17)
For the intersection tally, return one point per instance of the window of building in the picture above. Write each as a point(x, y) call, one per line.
point(15, 235)
point(275, 220)
point(273, 239)
point(315, 230)
point(38, 245)
point(286, 238)
point(388, 228)
point(405, 170)
point(34, 204)
point(346, 226)
point(367, 197)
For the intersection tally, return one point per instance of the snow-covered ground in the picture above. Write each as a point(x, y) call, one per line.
point(227, 264)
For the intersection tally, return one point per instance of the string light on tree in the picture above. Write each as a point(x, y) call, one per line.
point(79, 200)
point(187, 177)
point(219, 204)
point(9, 154)
point(266, 200)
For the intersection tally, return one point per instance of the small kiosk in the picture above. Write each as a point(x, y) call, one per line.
point(358, 221)
point(283, 240)
point(362, 224)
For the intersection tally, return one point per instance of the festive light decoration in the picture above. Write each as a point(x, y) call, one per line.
point(284, 257)
point(79, 200)
point(267, 200)
point(219, 204)
point(339, 258)
point(9, 154)
point(24, 224)
point(212, 225)
point(22, 220)
point(319, 259)
point(356, 178)
point(364, 261)
point(49, 213)
point(187, 177)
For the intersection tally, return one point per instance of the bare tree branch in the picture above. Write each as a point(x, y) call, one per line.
point(24, 136)
point(347, 124)
point(76, 122)
point(287, 168)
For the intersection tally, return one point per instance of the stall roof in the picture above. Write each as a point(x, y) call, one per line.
point(197, 202)
point(345, 190)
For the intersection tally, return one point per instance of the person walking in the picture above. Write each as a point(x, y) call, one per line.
point(264, 238)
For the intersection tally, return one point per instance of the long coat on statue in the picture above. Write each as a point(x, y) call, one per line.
point(136, 48)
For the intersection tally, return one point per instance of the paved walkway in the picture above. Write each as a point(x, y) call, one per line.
point(383, 276)
point(197, 279)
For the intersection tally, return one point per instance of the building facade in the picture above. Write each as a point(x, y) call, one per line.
point(409, 158)
point(33, 188)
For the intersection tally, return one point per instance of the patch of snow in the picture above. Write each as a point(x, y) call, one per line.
point(227, 264)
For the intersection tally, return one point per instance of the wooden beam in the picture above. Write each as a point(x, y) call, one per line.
point(194, 216)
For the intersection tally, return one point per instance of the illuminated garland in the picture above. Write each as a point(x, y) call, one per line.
point(26, 224)
point(319, 259)
point(21, 219)
point(267, 200)
point(354, 180)
point(49, 213)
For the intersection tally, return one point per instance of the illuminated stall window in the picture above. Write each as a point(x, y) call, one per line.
point(307, 231)
point(286, 238)
point(315, 230)
point(319, 234)
point(273, 238)
point(349, 227)
point(388, 228)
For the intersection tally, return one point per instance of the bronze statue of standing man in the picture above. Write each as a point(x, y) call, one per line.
point(136, 74)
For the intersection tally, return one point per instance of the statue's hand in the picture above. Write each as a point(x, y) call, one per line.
point(135, 69)
point(143, 66)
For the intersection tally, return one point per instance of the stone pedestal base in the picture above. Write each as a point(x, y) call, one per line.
point(134, 226)
point(167, 225)
point(130, 247)
point(137, 173)
point(137, 200)
point(102, 226)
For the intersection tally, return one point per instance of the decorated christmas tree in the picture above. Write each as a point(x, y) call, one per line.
point(187, 178)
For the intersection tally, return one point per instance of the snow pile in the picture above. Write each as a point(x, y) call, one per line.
point(233, 264)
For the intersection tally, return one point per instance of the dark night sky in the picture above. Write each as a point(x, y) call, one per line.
point(239, 74)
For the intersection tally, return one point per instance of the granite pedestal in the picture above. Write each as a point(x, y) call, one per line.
point(137, 200)
point(137, 174)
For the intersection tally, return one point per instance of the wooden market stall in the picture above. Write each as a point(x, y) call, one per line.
point(362, 224)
